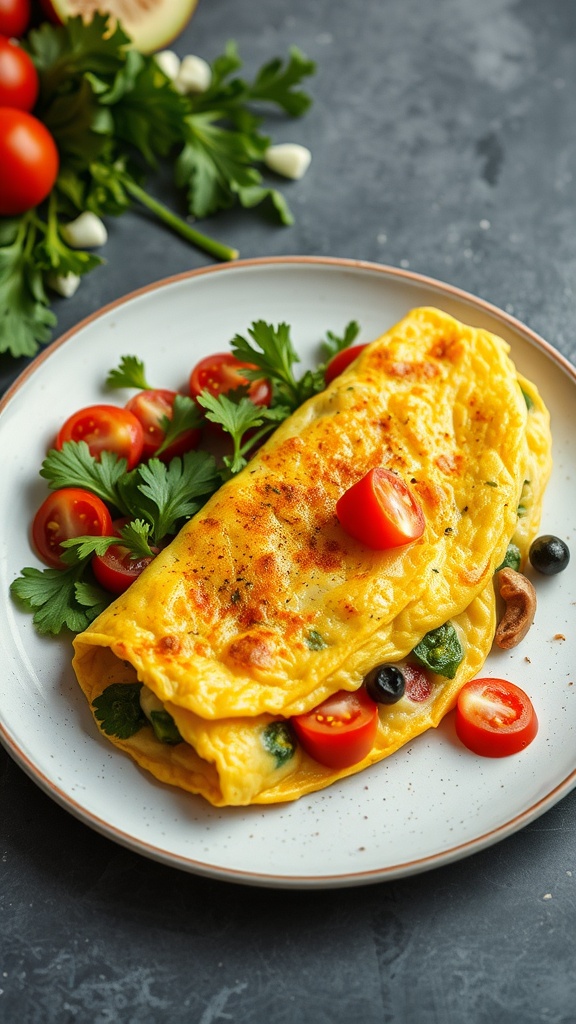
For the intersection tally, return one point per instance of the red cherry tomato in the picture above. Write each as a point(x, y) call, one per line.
point(19, 83)
point(28, 161)
point(380, 511)
point(495, 718)
point(222, 372)
point(150, 407)
point(67, 513)
point(105, 428)
point(341, 360)
point(341, 731)
point(116, 570)
point(14, 17)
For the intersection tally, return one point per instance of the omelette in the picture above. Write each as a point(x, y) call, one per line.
point(263, 606)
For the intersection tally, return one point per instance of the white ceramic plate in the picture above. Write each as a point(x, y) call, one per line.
point(432, 802)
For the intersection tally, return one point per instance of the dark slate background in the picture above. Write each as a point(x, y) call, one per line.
point(444, 140)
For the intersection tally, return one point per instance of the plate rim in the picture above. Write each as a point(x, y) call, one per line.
point(259, 878)
point(338, 262)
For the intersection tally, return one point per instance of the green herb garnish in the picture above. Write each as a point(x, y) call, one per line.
point(440, 650)
point(118, 710)
point(279, 741)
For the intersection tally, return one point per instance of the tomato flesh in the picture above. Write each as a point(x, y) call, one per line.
point(380, 511)
point(67, 513)
point(341, 731)
point(418, 683)
point(341, 361)
point(105, 428)
point(495, 718)
point(150, 407)
point(222, 372)
point(115, 570)
point(19, 83)
point(28, 161)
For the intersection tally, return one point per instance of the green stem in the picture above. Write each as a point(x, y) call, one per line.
point(209, 245)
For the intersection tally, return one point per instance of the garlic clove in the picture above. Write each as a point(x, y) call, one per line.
point(194, 75)
point(64, 284)
point(169, 63)
point(86, 232)
point(289, 159)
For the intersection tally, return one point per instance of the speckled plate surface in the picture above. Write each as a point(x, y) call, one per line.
point(431, 803)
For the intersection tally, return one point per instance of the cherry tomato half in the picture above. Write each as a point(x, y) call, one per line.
point(150, 407)
point(28, 161)
point(67, 513)
point(495, 718)
point(341, 361)
point(341, 731)
point(116, 570)
point(14, 17)
point(380, 511)
point(19, 83)
point(105, 428)
point(222, 372)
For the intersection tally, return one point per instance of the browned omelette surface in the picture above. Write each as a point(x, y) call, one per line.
point(223, 626)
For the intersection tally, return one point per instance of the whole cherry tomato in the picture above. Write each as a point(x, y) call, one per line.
point(28, 161)
point(19, 83)
point(14, 17)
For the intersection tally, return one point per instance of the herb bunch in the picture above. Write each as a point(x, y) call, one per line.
point(115, 117)
point(155, 499)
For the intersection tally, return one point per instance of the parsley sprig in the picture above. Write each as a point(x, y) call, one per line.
point(272, 351)
point(116, 118)
point(157, 499)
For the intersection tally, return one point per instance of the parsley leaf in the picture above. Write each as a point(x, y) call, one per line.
point(24, 318)
point(238, 417)
point(166, 495)
point(59, 598)
point(185, 416)
point(131, 373)
point(118, 710)
point(74, 466)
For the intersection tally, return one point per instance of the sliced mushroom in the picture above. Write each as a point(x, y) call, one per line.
point(519, 596)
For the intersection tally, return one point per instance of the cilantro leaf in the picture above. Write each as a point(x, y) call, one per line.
point(237, 418)
point(185, 416)
point(25, 318)
point(167, 495)
point(271, 350)
point(131, 373)
point(58, 598)
point(279, 83)
point(118, 710)
point(74, 466)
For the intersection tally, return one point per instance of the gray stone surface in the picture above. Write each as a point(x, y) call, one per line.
point(444, 140)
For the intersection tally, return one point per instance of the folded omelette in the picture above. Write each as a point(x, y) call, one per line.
point(263, 606)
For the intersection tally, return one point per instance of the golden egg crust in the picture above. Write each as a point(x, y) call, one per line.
point(262, 606)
